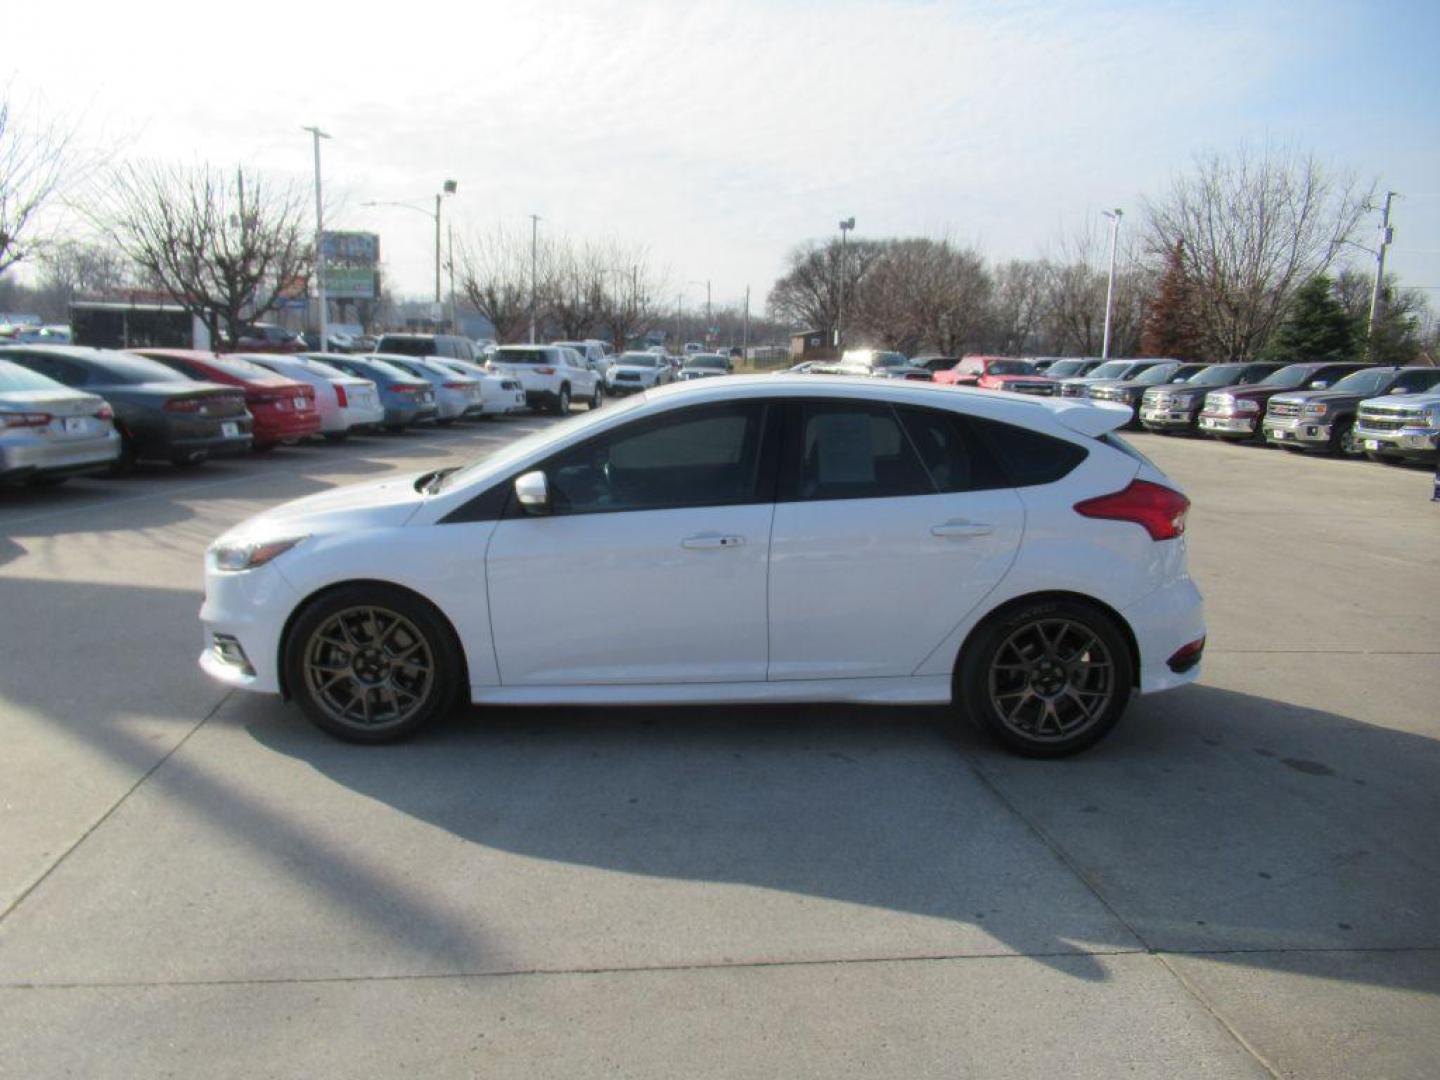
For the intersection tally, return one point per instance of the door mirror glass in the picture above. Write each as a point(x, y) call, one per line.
point(1400, 390)
point(532, 491)
point(1319, 384)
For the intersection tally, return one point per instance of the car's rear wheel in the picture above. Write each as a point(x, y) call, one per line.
point(372, 663)
point(562, 404)
point(598, 397)
point(1046, 679)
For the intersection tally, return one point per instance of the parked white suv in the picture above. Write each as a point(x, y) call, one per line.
point(553, 377)
point(590, 351)
point(635, 371)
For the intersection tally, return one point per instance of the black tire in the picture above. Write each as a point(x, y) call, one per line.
point(395, 429)
point(598, 397)
point(444, 423)
point(124, 465)
point(562, 403)
point(1012, 689)
point(336, 436)
point(188, 461)
point(262, 447)
point(47, 480)
point(420, 632)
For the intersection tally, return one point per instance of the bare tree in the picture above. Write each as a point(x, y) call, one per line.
point(576, 288)
point(496, 279)
point(227, 247)
point(807, 296)
point(922, 293)
point(1017, 307)
point(73, 269)
point(629, 302)
point(32, 163)
point(1255, 226)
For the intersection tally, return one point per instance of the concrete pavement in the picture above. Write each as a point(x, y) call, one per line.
point(1241, 881)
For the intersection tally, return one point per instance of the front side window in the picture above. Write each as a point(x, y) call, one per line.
point(854, 450)
point(706, 456)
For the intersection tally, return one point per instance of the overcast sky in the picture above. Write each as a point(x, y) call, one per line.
point(722, 133)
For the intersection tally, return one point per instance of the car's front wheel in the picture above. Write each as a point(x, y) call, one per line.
point(372, 663)
point(1046, 679)
point(598, 397)
point(562, 404)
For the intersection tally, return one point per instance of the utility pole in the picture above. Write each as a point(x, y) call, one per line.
point(534, 240)
point(1115, 216)
point(437, 247)
point(450, 259)
point(1387, 235)
point(845, 227)
point(317, 135)
point(745, 332)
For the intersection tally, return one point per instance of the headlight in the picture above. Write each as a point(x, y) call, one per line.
point(1316, 409)
point(247, 556)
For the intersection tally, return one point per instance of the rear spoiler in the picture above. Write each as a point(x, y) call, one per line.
point(1093, 418)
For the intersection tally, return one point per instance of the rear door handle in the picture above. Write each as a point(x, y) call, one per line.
point(960, 527)
point(711, 540)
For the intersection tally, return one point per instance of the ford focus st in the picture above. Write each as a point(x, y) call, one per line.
point(751, 539)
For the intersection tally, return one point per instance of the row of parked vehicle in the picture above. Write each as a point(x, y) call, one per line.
point(1387, 413)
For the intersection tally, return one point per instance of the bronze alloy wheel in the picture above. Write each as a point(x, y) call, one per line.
point(369, 668)
point(1051, 680)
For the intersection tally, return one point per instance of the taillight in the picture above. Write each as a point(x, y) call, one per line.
point(456, 385)
point(545, 371)
point(1186, 657)
point(184, 404)
point(340, 398)
point(1159, 510)
point(404, 388)
point(105, 413)
point(24, 419)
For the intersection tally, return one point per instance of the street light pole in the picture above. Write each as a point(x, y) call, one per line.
point(317, 135)
point(1115, 216)
point(534, 239)
point(450, 259)
point(845, 227)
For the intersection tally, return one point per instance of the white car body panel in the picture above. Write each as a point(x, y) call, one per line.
point(362, 399)
point(609, 608)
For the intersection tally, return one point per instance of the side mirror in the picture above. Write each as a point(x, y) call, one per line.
point(1399, 390)
point(532, 491)
point(1319, 385)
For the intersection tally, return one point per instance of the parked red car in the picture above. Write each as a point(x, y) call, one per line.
point(283, 408)
point(998, 373)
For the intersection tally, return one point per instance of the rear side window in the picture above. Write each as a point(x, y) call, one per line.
point(1028, 457)
point(407, 346)
point(955, 459)
point(854, 450)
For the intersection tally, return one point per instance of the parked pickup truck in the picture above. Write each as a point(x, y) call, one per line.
point(1235, 412)
point(999, 373)
point(1128, 392)
point(1324, 420)
point(1400, 429)
point(1177, 407)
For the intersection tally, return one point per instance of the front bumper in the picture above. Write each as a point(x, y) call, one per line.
point(1168, 419)
point(1228, 426)
point(620, 389)
point(249, 609)
point(1297, 431)
point(1411, 443)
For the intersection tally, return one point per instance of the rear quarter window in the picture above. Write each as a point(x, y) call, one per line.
point(1029, 457)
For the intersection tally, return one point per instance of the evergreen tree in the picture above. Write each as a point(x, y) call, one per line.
point(1316, 327)
point(1169, 328)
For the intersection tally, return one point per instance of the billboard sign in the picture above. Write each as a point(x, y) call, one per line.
point(354, 248)
point(349, 283)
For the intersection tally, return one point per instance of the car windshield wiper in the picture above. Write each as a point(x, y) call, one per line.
point(431, 482)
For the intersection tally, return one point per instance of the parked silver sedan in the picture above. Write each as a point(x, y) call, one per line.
point(48, 431)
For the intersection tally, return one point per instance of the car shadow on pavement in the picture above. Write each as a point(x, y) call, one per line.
point(1211, 822)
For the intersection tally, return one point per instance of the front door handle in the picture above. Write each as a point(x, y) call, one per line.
point(961, 527)
point(711, 540)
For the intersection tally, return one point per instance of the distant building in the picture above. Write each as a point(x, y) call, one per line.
point(811, 345)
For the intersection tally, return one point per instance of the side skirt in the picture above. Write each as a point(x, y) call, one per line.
point(913, 690)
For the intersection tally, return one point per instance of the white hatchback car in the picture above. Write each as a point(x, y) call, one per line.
point(751, 539)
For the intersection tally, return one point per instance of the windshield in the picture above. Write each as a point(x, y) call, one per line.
point(638, 359)
point(516, 451)
point(240, 368)
point(1063, 369)
point(1216, 375)
point(386, 368)
point(700, 360)
point(1157, 374)
point(1111, 369)
point(889, 359)
point(1411, 381)
point(416, 370)
point(407, 346)
point(1288, 377)
point(15, 377)
point(1364, 383)
point(1012, 367)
